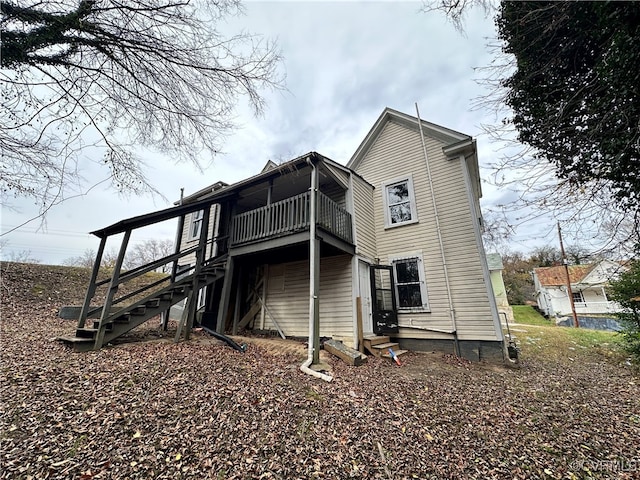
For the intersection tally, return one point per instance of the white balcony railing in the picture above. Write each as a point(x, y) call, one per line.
point(289, 216)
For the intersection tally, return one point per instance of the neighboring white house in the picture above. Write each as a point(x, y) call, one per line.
point(588, 285)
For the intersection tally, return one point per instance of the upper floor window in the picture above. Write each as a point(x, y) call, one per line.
point(411, 288)
point(196, 224)
point(399, 202)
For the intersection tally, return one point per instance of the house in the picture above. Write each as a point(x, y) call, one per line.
point(589, 289)
point(388, 244)
point(494, 263)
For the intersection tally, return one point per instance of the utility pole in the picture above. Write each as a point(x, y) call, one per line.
point(566, 270)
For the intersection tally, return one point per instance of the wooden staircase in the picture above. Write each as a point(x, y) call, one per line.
point(121, 320)
point(379, 345)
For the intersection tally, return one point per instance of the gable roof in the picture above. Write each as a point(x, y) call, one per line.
point(447, 135)
point(556, 276)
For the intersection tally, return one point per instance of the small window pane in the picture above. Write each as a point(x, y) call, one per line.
point(196, 224)
point(382, 278)
point(398, 193)
point(407, 271)
point(384, 300)
point(409, 296)
point(400, 213)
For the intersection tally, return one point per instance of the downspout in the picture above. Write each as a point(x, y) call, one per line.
point(452, 312)
point(314, 303)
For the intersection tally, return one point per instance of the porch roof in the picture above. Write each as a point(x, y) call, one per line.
point(153, 217)
point(217, 191)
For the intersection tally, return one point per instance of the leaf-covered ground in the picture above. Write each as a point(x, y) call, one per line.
point(200, 410)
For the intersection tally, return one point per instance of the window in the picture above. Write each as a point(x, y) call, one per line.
point(411, 288)
point(399, 202)
point(196, 224)
point(577, 297)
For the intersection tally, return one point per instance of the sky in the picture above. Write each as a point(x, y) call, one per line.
point(344, 63)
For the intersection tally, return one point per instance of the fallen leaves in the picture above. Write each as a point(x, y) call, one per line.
point(201, 410)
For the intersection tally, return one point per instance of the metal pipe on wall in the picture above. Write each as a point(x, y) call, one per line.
point(452, 312)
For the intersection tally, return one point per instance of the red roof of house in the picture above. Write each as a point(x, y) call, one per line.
point(557, 275)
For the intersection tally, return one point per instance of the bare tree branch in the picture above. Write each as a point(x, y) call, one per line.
point(109, 76)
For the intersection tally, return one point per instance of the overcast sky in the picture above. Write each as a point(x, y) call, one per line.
point(344, 63)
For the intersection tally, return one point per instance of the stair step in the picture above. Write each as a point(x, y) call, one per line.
point(124, 318)
point(108, 326)
point(385, 346)
point(79, 344)
point(397, 352)
point(86, 333)
point(376, 339)
point(153, 303)
point(379, 349)
point(138, 311)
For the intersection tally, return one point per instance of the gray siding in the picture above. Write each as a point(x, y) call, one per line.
point(396, 152)
point(335, 193)
point(185, 242)
point(288, 298)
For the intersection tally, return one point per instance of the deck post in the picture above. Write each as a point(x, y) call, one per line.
point(314, 270)
point(238, 305)
point(200, 258)
point(174, 268)
point(225, 295)
point(113, 288)
point(91, 289)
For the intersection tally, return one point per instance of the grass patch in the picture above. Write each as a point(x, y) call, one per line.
point(551, 342)
point(525, 314)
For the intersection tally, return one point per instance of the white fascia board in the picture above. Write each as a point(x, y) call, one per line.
point(431, 129)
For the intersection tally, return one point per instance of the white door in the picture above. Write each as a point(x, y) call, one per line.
point(364, 281)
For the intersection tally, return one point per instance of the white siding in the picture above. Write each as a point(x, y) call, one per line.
point(398, 151)
point(364, 218)
point(288, 298)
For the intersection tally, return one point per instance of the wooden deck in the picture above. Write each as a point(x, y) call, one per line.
point(289, 216)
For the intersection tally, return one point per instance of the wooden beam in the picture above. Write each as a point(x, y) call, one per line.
point(225, 295)
point(345, 353)
point(238, 303)
point(253, 311)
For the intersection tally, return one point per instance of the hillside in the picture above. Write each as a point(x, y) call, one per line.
point(201, 410)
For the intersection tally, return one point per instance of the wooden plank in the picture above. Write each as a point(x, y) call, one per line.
point(359, 324)
point(345, 353)
point(253, 311)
